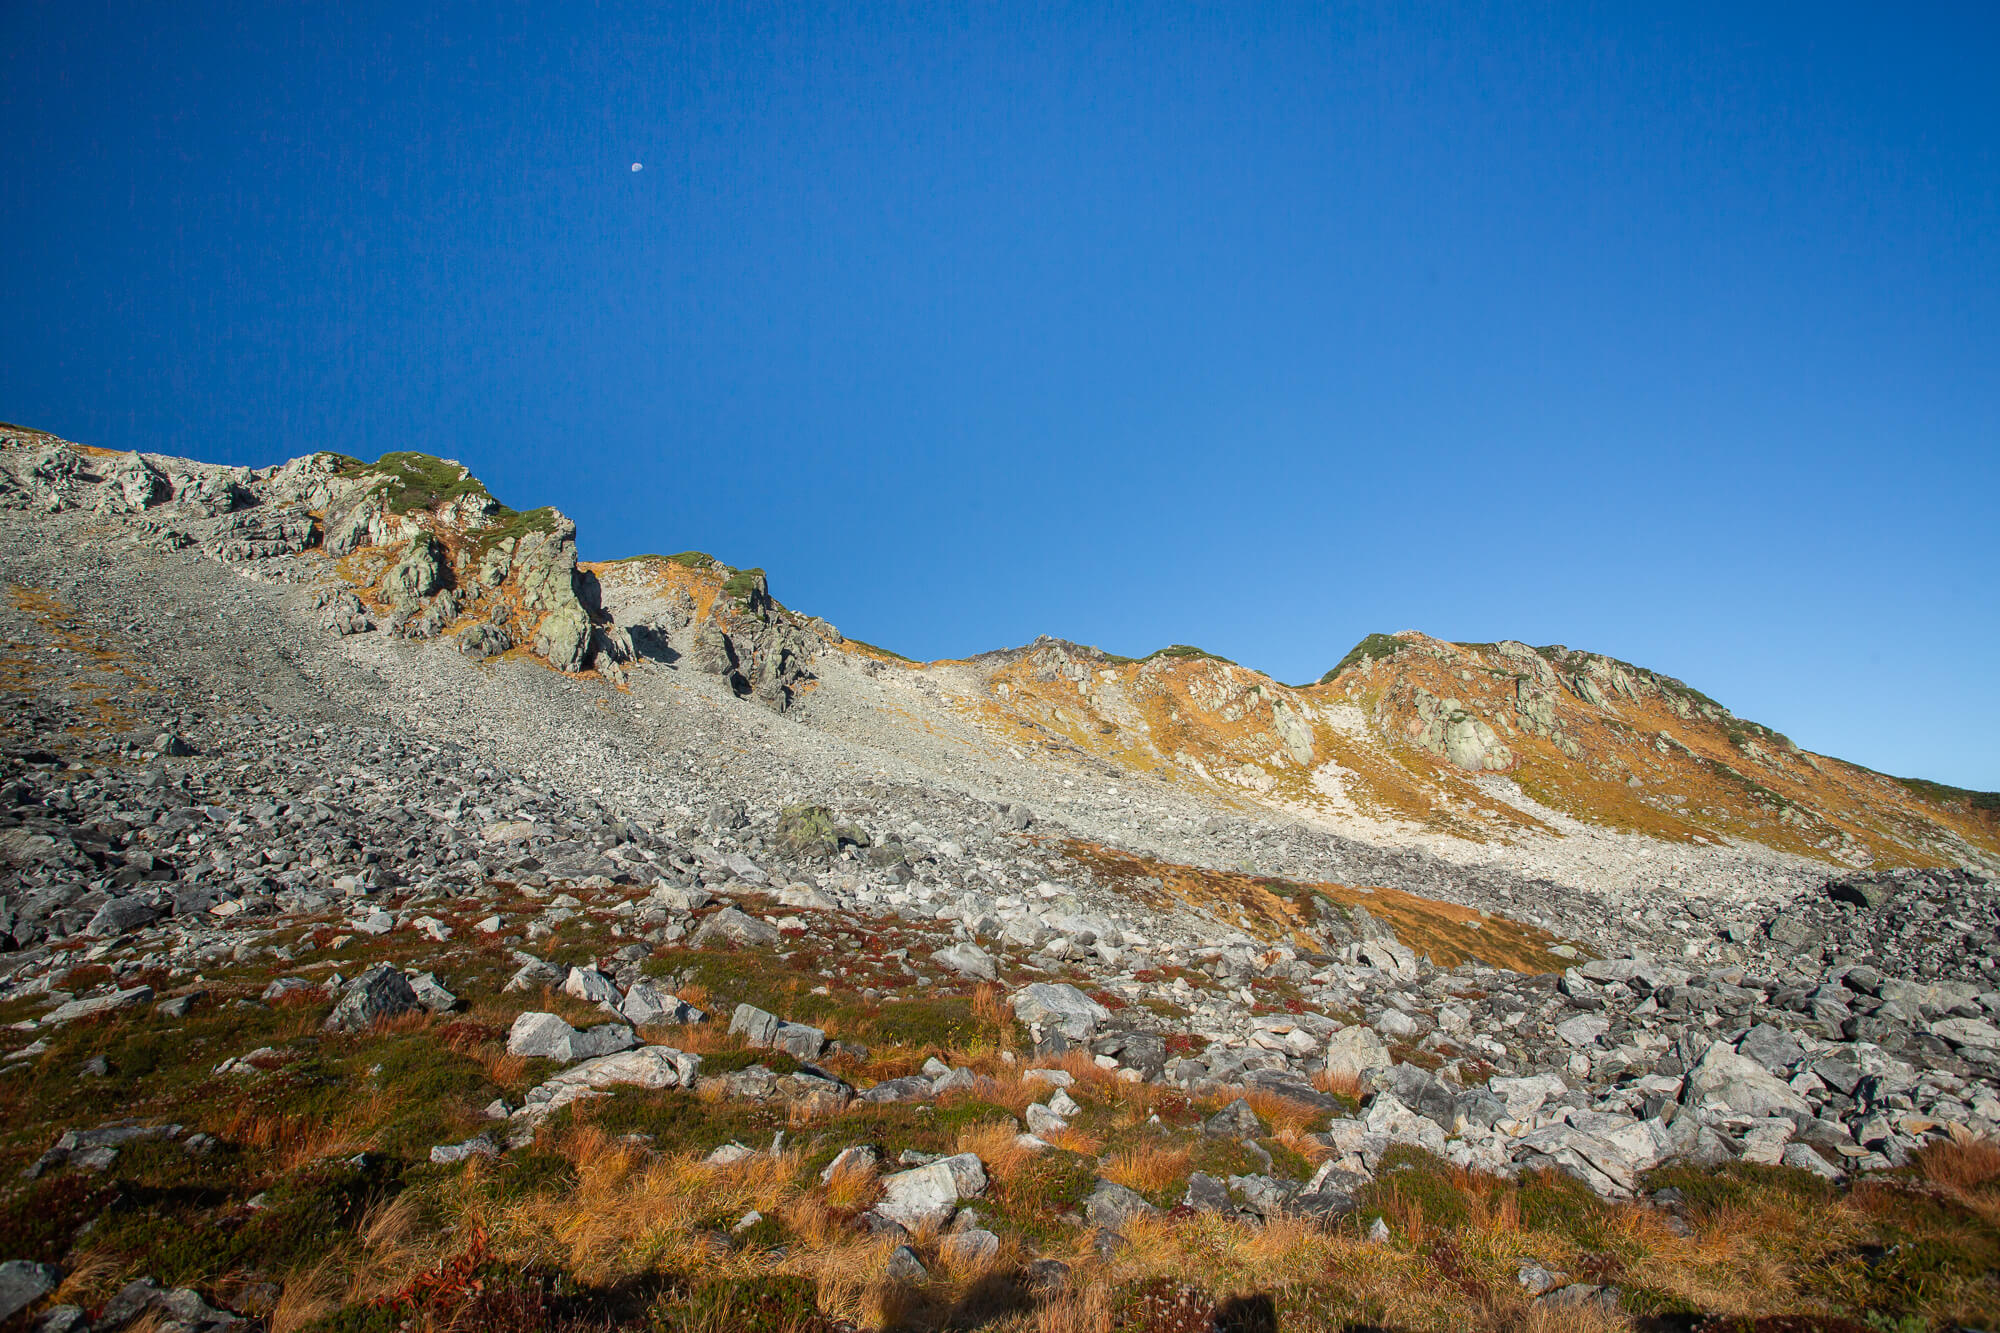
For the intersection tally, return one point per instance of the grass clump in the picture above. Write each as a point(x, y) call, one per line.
point(507, 523)
point(879, 650)
point(746, 586)
point(418, 481)
point(764, 1304)
point(686, 559)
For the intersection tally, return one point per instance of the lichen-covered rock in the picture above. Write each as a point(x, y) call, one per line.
point(343, 614)
point(418, 574)
point(563, 637)
point(1060, 1007)
point(484, 640)
point(380, 992)
point(712, 653)
point(261, 533)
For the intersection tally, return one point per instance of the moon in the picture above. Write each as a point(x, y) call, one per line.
point(638, 166)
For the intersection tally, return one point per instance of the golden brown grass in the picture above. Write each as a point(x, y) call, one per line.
point(1285, 1116)
point(1960, 1165)
point(1147, 1167)
point(299, 1140)
point(307, 1296)
point(1338, 1084)
point(1079, 1141)
point(994, 1142)
point(990, 1007)
point(854, 1186)
point(92, 1276)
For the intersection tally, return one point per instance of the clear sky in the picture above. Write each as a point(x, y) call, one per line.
point(1668, 331)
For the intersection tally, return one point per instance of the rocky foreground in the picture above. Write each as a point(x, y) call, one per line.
point(278, 845)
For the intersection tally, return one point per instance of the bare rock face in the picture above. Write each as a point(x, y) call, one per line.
point(418, 574)
point(132, 485)
point(543, 569)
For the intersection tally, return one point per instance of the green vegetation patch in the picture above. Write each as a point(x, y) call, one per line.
point(745, 584)
point(686, 559)
point(1987, 802)
point(507, 523)
point(766, 1304)
point(1376, 647)
point(418, 481)
point(1187, 650)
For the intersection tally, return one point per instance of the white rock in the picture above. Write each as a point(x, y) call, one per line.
point(1355, 1052)
point(1742, 1084)
point(1061, 1007)
point(646, 1067)
point(545, 1036)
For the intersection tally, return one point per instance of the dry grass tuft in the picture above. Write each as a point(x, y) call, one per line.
point(307, 1296)
point(299, 1140)
point(1962, 1165)
point(1149, 1167)
point(508, 1071)
point(1079, 1141)
point(854, 1186)
point(1342, 1084)
point(1085, 1308)
point(1285, 1116)
point(989, 1006)
point(91, 1277)
point(994, 1143)
point(701, 1038)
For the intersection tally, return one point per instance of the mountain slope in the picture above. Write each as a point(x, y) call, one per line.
point(1480, 741)
point(1493, 745)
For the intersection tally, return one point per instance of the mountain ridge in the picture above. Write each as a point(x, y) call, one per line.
point(1477, 741)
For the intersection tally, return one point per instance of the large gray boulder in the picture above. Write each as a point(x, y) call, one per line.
point(563, 637)
point(547, 1037)
point(120, 915)
point(1111, 1206)
point(1743, 1085)
point(380, 992)
point(97, 1004)
point(969, 960)
point(645, 1067)
point(1356, 1052)
point(1059, 1007)
point(731, 926)
point(757, 1027)
point(931, 1193)
point(23, 1283)
point(645, 1005)
point(592, 986)
point(417, 575)
point(131, 485)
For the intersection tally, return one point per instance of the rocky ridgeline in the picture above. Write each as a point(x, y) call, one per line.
point(187, 790)
point(452, 561)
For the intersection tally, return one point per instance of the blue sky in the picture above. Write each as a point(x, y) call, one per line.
point(1671, 332)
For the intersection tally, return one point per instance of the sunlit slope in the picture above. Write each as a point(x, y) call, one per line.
point(1480, 740)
